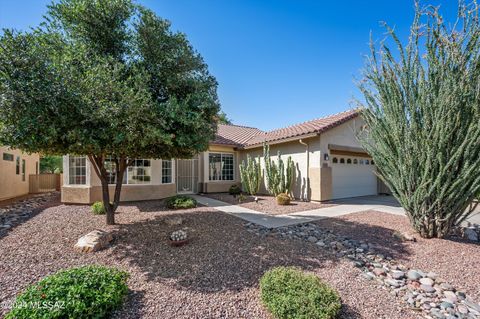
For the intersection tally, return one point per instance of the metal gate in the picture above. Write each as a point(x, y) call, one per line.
point(187, 176)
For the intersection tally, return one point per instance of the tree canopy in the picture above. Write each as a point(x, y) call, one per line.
point(105, 78)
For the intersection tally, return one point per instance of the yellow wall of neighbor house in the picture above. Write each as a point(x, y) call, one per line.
point(306, 159)
point(208, 186)
point(11, 183)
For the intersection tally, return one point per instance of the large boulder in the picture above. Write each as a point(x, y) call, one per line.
point(94, 241)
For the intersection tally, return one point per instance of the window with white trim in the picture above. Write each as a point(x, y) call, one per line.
point(140, 172)
point(221, 167)
point(77, 170)
point(167, 171)
point(110, 167)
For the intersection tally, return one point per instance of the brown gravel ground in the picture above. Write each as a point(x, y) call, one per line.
point(214, 276)
point(454, 260)
point(268, 204)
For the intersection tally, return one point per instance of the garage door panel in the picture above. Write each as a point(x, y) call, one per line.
point(353, 180)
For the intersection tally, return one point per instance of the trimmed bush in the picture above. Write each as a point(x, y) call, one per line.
point(234, 190)
point(283, 199)
point(287, 292)
point(98, 208)
point(181, 202)
point(84, 292)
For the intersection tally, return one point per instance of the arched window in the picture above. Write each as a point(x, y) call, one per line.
point(367, 162)
point(361, 161)
point(355, 161)
point(349, 161)
point(342, 161)
point(372, 162)
point(335, 160)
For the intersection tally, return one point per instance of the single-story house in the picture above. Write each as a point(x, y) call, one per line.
point(329, 164)
point(15, 167)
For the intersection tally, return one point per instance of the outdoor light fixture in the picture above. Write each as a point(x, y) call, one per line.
point(326, 157)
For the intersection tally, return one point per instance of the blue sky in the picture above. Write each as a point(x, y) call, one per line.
point(277, 62)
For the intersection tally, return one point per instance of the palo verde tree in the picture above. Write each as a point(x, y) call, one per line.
point(105, 79)
point(422, 118)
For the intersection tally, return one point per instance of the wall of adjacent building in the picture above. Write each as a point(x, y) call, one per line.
point(11, 183)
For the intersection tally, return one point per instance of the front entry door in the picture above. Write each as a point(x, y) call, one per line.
point(187, 176)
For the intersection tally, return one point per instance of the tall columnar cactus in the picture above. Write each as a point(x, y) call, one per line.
point(251, 175)
point(422, 117)
point(279, 178)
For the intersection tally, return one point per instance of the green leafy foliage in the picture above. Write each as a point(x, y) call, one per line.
point(422, 115)
point(234, 190)
point(105, 78)
point(223, 118)
point(84, 292)
point(51, 164)
point(98, 208)
point(181, 202)
point(279, 177)
point(251, 175)
point(283, 199)
point(287, 292)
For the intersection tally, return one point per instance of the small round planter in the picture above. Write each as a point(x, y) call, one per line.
point(178, 243)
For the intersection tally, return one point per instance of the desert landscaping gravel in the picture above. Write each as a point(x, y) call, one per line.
point(268, 204)
point(214, 276)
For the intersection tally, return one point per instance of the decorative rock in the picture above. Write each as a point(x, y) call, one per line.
point(445, 305)
point(93, 241)
point(320, 243)
point(368, 275)
point(398, 274)
point(174, 221)
point(413, 275)
point(404, 236)
point(312, 239)
point(426, 281)
point(379, 271)
point(462, 309)
point(446, 286)
point(451, 296)
point(432, 275)
point(392, 282)
point(470, 233)
point(427, 288)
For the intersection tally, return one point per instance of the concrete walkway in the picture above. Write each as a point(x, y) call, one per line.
point(386, 204)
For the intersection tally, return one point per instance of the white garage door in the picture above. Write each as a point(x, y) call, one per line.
point(353, 176)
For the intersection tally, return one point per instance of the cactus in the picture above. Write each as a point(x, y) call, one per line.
point(251, 175)
point(279, 178)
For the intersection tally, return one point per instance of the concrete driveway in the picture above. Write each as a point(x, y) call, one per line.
point(386, 204)
point(391, 205)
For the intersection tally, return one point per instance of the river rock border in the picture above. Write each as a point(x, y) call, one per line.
point(422, 291)
point(21, 210)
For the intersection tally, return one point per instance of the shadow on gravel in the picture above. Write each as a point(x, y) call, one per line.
point(221, 256)
point(20, 219)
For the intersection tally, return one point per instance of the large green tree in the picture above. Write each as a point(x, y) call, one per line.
point(422, 117)
point(105, 78)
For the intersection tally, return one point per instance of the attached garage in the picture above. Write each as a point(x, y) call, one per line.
point(353, 173)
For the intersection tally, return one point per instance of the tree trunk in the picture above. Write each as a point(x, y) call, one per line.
point(99, 167)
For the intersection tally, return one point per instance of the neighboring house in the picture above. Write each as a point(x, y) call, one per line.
point(15, 167)
point(329, 164)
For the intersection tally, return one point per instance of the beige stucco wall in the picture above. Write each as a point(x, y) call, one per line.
point(11, 184)
point(92, 191)
point(302, 158)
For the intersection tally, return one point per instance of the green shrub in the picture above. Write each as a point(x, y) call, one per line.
point(234, 190)
point(84, 292)
point(98, 208)
point(289, 293)
point(283, 199)
point(181, 202)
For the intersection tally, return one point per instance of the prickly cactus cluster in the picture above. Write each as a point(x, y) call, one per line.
point(178, 235)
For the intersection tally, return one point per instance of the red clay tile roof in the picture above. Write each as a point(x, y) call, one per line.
point(247, 136)
point(235, 135)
